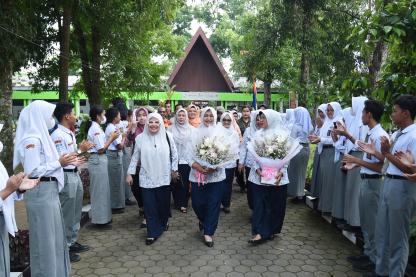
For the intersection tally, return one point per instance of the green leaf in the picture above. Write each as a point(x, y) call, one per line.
point(387, 29)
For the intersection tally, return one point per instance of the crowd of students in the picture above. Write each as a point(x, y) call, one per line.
point(362, 177)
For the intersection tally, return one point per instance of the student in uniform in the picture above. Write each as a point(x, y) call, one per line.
point(11, 189)
point(398, 196)
point(100, 213)
point(156, 152)
point(301, 129)
point(35, 150)
point(229, 130)
point(126, 125)
point(370, 185)
point(326, 153)
point(206, 198)
point(319, 121)
point(182, 133)
point(72, 194)
point(115, 162)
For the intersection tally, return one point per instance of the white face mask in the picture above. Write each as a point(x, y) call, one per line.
point(104, 120)
point(1, 146)
point(51, 123)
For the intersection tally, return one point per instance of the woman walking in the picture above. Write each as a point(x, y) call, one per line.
point(156, 152)
point(269, 201)
point(183, 135)
point(206, 196)
point(228, 124)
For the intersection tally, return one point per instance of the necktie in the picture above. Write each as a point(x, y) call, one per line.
point(367, 137)
point(386, 163)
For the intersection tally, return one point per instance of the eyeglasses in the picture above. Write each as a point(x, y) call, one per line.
point(226, 120)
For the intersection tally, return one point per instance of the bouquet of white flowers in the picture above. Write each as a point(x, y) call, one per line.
point(273, 149)
point(216, 151)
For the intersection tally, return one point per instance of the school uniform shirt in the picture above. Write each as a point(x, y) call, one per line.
point(244, 156)
point(359, 135)
point(375, 135)
point(299, 133)
point(406, 141)
point(35, 162)
point(96, 135)
point(65, 142)
point(111, 128)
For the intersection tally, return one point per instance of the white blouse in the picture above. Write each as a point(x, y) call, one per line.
point(146, 181)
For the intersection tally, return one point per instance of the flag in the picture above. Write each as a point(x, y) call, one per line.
point(254, 95)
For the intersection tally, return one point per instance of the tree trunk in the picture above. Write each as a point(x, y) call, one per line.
point(64, 33)
point(6, 116)
point(96, 64)
point(267, 93)
point(376, 63)
point(305, 59)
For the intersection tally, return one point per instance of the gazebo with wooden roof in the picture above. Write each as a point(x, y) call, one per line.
point(200, 70)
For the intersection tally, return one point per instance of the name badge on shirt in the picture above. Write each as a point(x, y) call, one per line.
point(59, 146)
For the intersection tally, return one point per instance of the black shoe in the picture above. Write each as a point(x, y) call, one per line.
point(366, 266)
point(128, 202)
point(78, 248)
point(209, 243)
point(359, 258)
point(74, 257)
point(167, 227)
point(102, 227)
point(226, 210)
point(200, 226)
point(257, 241)
point(117, 211)
point(150, 241)
point(143, 225)
point(184, 210)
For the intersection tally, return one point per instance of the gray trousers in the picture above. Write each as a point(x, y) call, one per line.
point(339, 190)
point(326, 177)
point(396, 210)
point(369, 201)
point(4, 249)
point(100, 212)
point(126, 162)
point(71, 203)
point(49, 256)
point(115, 177)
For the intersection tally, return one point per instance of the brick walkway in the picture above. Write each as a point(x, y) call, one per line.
point(308, 246)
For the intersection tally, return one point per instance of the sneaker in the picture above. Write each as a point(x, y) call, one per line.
point(74, 257)
point(78, 248)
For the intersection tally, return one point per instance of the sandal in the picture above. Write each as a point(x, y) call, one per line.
point(184, 210)
point(150, 241)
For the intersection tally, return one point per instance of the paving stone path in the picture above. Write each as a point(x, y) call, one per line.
point(308, 246)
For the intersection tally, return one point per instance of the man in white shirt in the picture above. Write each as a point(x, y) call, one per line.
point(398, 197)
point(370, 185)
point(72, 194)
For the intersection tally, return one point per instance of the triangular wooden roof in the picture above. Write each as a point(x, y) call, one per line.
point(200, 69)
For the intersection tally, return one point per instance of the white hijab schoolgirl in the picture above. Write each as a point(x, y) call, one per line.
point(328, 125)
point(303, 119)
point(356, 126)
point(35, 120)
point(203, 130)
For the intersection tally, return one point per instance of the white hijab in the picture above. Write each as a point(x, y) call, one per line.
point(252, 129)
point(303, 119)
point(206, 131)
point(8, 203)
point(230, 131)
point(153, 159)
point(329, 122)
point(181, 132)
point(290, 118)
point(274, 120)
point(32, 123)
point(356, 123)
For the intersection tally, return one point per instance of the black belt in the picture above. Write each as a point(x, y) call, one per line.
point(45, 179)
point(398, 177)
point(370, 176)
point(71, 170)
point(114, 150)
point(304, 144)
point(328, 146)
